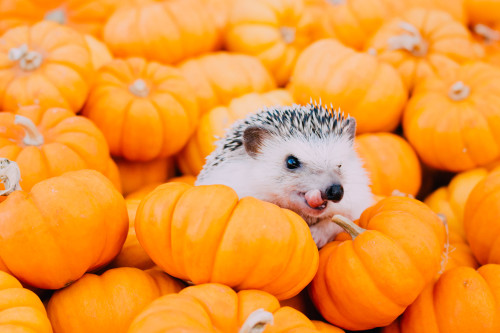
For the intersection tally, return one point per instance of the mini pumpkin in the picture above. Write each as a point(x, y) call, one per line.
point(50, 142)
point(452, 120)
point(488, 42)
point(212, 87)
point(36, 70)
point(391, 163)
point(483, 11)
point(394, 253)
point(368, 90)
point(421, 43)
point(145, 110)
point(206, 234)
point(107, 302)
point(65, 226)
point(99, 52)
point(215, 307)
point(214, 123)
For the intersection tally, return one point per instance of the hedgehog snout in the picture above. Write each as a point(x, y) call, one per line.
point(334, 193)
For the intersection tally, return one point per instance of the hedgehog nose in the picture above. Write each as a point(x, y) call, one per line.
point(335, 193)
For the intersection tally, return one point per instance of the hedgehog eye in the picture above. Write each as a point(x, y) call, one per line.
point(292, 162)
point(339, 166)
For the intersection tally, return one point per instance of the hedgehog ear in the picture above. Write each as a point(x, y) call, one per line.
point(350, 128)
point(253, 139)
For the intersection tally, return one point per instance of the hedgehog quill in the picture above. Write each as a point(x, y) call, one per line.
point(297, 157)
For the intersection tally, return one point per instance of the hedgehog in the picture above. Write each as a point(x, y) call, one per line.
point(298, 157)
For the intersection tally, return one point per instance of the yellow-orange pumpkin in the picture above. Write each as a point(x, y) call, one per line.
point(212, 86)
point(369, 281)
point(46, 64)
point(50, 142)
point(64, 227)
point(365, 88)
point(215, 307)
point(99, 52)
point(483, 11)
point(421, 43)
point(487, 39)
point(206, 234)
point(214, 124)
point(145, 110)
point(391, 163)
point(452, 121)
point(109, 302)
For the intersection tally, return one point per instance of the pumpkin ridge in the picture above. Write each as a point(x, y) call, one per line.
point(124, 117)
point(67, 99)
point(176, 24)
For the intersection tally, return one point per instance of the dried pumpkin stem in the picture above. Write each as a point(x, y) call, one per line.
point(412, 42)
point(490, 35)
point(28, 60)
point(459, 91)
point(10, 176)
point(139, 88)
point(336, 2)
point(33, 136)
point(57, 15)
point(288, 34)
point(257, 321)
point(446, 249)
point(349, 226)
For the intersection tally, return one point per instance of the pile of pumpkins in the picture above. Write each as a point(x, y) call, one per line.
point(110, 107)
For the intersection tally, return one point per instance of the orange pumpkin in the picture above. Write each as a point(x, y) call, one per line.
point(450, 200)
point(136, 175)
point(205, 234)
point(64, 227)
point(212, 86)
point(99, 52)
point(482, 212)
point(273, 31)
point(458, 253)
point(164, 31)
point(455, 8)
point(21, 309)
point(369, 281)
point(146, 110)
point(215, 307)
point(214, 124)
point(422, 43)
point(368, 90)
point(323, 327)
point(452, 121)
point(462, 300)
point(109, 302)
point(488, 42)
point(50, 142)
point(391, 163)
point(113, 174)
point(483, 11)
point(86, 16)
point(36, 70)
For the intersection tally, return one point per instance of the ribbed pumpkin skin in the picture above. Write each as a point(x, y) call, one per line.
point(461, 301)
point(446, 43)
point(205, 234)
point(70, 143)
point(214, 308)
point(459, 253)
point(482, 212)
point(368, 90)
point(214, 124)
point(62, 77)
point(145, 110)
point(274, 31)
point(99, 52)
point(450, 200)
point(73, 223)
point(369, 281)
point(212, 86)
point(163, 31)
point(109, 302)
point(391, 163)
point(21, 309)
point(454, 132)
point(85, 16)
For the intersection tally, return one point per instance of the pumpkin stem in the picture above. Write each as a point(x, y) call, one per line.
point(372, 51)
point(349, 226)
point(459, 91)
point(257, 321)
point(336, 2)
point(446, 250)
point(490, 35)
point(139, 88)
point(412, 42)
point(10, 176)
point(398, 193)
point(28, 60)
point(288, 34)
point(33, 136)
point(57, 15)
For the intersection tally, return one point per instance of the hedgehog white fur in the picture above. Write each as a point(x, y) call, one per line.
point(297, 157)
